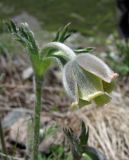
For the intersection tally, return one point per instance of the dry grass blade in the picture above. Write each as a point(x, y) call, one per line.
point(109, 130)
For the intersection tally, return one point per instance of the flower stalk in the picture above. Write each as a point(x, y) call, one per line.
point(38, 96)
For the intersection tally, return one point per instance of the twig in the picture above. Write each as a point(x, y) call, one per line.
point(2, 141)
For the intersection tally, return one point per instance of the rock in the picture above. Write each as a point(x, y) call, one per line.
point(18, 133)
point(11, 118)
point(25, 17)
point(27, 73)
point(42, 36)
point(117, 98)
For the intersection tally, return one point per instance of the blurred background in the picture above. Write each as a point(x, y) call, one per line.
point(88, 17)
point(93, 22)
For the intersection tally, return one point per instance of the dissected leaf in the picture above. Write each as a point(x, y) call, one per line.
point(63, 34)
point(24, 35)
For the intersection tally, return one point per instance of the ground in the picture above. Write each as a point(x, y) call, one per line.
point(108, 125)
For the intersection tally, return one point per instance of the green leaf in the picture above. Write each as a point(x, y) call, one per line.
point(94, 154)
point(84, 135)
point(13, 26)
point(63, 34)
point(24, 35)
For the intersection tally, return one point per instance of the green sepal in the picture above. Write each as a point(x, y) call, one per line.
point(82, 103)
point(108, 87)
point(102, 99)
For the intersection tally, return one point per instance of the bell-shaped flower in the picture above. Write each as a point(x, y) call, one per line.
point(87, 78)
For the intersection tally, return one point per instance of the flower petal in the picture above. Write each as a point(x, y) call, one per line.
point(69, 82)
point(95, 66)
point(89, 85)
point(67, 52)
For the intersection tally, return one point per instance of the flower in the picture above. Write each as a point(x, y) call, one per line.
point(87, 78)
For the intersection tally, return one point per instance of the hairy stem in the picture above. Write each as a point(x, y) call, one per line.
point(38, 94)
point(2, 141)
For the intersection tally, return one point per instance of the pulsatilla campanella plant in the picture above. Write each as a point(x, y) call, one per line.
point(86, 78)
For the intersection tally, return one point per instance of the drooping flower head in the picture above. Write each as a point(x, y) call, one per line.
point(86, 78)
